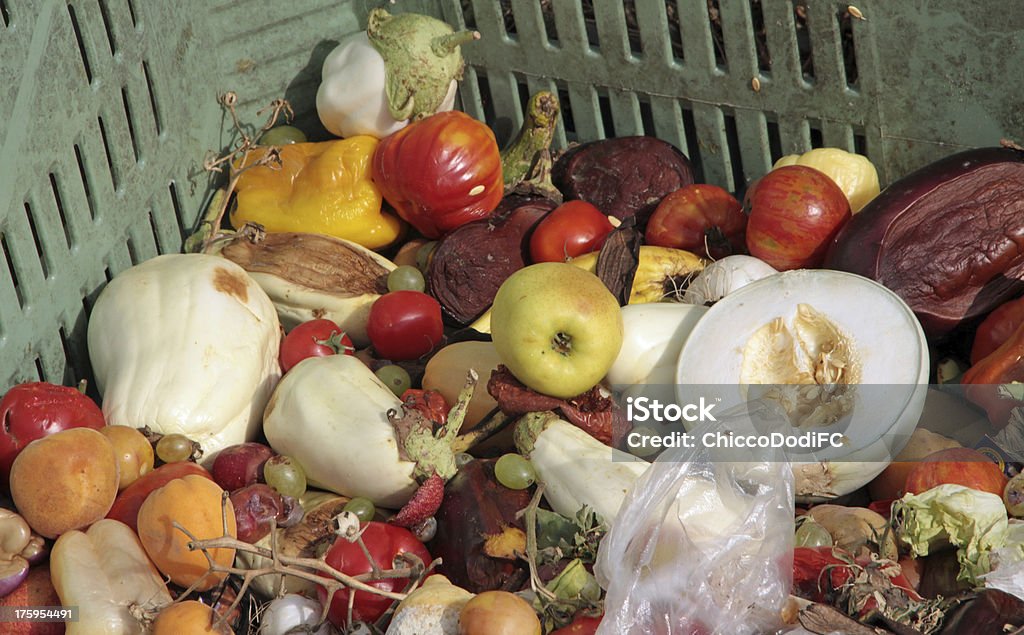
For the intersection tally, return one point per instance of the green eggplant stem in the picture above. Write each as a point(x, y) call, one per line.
point(534, 138)
point(447, 44)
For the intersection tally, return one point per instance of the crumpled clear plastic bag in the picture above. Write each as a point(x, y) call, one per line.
point(701, 545)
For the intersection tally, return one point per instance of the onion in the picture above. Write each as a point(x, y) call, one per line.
point(287, 613)
point(724, 276)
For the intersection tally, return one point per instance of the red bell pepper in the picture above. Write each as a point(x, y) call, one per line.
point(997, 328)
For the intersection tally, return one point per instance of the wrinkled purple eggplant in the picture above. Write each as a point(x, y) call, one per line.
point(622, 177)
point(477, 531)
point(948, 238)
point(471, 262)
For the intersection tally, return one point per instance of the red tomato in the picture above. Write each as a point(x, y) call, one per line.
point(315, 338)
point(997, 328)
point(385, 543)
point(704, 219)
point(440, 172)
point(38, 409)
point(795, 212)
point(404, 325)
point(570, 230)
point(819, 571)
point(582, 625)
point(430, 403)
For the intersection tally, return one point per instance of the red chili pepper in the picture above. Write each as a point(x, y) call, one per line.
point(819, 571)
point(997, 328)
point(430, 403)
point(1002, 366)
point(440, 172)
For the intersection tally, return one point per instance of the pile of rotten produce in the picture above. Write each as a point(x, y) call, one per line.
point(376, 393)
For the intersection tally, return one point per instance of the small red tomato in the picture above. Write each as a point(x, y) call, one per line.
point(704, 219)
point(34, 410)
point(385, 543)
point(569, 230)
point(404, 325)
point(315, 338)
point(582, 625)
point(795, 212)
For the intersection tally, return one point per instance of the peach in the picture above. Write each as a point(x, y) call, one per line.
point(65, 481)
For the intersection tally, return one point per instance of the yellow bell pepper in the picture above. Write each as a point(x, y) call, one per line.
point(853, 173)
point(320, 188)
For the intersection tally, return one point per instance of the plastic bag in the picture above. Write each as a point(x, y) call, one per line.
point(702, 545)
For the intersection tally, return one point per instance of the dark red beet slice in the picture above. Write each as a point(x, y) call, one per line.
point(622, 177)
point(948, 238)
point(471, 262)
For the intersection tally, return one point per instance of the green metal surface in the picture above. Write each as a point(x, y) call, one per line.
point(110, 107)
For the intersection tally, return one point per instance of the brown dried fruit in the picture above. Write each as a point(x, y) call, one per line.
point(472, 261)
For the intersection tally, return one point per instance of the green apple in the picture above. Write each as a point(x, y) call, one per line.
point(557, 328)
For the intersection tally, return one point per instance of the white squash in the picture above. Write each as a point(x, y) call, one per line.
point(186, 343)
point(806, 328)
point(330, 415)
point(576, 468)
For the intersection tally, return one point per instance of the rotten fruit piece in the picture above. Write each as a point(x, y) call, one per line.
point(662, 273)
point(311, 276)
point(476, 513)
point(624, 176)
point(470, 263)
point(946, 238)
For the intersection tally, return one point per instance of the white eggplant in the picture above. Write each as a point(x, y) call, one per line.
point(186, 343)
point(402, 67)
point(653, 335)
point(330, 415)
point(576, 468)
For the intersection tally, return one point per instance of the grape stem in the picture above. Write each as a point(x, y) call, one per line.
point(315, 570)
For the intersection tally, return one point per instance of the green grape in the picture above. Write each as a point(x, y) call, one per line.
point(515, 472)
point(423, 255)
point(282, 136)
point(395, 377)
point(285, 475)
point(406, 278)
point(174, 447)
point(811, 534)
point(363, 508)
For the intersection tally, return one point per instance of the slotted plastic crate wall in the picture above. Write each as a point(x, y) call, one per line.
point(109, 107)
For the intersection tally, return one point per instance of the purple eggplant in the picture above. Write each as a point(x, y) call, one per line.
point(947, 238)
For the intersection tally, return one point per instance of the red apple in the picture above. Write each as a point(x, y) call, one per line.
point(794, 213)
point(923, 442)
point(704, 219)
point(957, 466)
point(34, 410)
point(239, 465)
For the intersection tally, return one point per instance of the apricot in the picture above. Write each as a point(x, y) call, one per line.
point(192, 617)
point(65, 481)
point(199, 506)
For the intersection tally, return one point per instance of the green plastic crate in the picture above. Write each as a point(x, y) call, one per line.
point(110, 107)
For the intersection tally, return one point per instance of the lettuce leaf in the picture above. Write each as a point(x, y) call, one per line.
point(974, 522)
